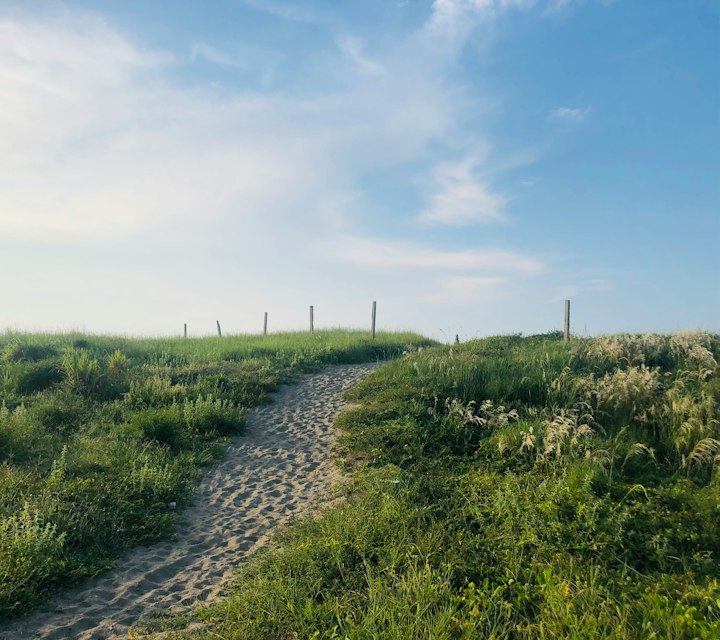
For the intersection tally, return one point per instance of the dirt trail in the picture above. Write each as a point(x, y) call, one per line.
point(279, 468)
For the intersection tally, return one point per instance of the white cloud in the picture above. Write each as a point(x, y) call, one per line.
point(569, 114)
point(462, 198)
point(354, 49)
point(453, 13)
point(558, 5)
point(95, 141)
point(284, 11)
point(216, 56)
point(383, 254)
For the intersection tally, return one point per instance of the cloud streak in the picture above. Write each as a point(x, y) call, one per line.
point(569, 114)
point(461, 198)
point(383, 254)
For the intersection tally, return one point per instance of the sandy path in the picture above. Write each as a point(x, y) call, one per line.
point(280, 467)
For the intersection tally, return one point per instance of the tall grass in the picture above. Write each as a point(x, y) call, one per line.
point(511, 488)
point(99, 434)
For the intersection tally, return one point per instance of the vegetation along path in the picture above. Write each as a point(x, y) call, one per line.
point(279, 468)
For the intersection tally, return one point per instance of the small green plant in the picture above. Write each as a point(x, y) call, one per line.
point(154, 391)
point(163, 426)
point(208, 416)
point(19, 351)
point(30, 552)
point(24, 378)
point(82, 371)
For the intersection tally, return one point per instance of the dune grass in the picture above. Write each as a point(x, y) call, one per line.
point(98, 435)
point(510, 488)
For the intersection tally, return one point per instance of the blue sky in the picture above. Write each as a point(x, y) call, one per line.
point(466, 163)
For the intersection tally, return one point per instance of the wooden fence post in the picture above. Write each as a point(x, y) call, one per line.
point(218, 326)
point(265, 325)
point(566, 331)
point(374, 316)
point(312, 324)
point(185, 330)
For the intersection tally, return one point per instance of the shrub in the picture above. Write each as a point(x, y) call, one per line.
point(208, 416)
point(164, 426)
point(462, 426)
point(25, 378)
point(17, 351)
point(626, 395)
point(695, 348)
point(82, 371)
point(155, 391)
point(116, 375)
point(22, 437)
point(61, 412)
point(30, 551)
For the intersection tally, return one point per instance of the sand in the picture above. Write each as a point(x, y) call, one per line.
point(280, 468)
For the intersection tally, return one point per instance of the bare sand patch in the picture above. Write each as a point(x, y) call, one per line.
point(279, 468)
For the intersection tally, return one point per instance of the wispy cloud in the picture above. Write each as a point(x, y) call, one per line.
point(95, 140)
point(557, 5)
point(569, 114)
point(216, 56)
point(378, 253)
point(453, 13)
point(354, 49)
point(285, 11)
point(462, 198)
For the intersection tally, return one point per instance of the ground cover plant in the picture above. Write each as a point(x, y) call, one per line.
point(511, 488)
point(98, 435)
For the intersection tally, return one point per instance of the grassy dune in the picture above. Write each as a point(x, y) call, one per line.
point(99, 434)
point(511, 488)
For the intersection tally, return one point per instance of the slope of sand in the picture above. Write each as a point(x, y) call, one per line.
point(280, 467)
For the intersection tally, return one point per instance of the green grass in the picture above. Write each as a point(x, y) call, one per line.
point(98, 434)
point(510, 488)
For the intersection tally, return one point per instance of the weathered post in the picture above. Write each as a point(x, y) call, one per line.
point(312, 324)
point(218, 327)
point(566, 331)
point(265, 325)
point(374, 316)
point(185, 330)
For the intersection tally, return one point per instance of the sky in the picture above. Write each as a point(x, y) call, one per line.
point(468, 164)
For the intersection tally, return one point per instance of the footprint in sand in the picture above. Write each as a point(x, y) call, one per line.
point(278, 469)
